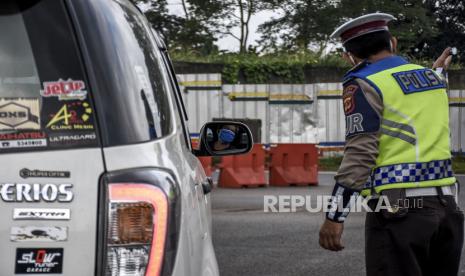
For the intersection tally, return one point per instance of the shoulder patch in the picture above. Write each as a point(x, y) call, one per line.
point(348, 98)
point(360, 116)
point(419, 80)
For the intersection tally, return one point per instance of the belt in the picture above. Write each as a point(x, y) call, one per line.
point(410, 172)
point(431, 191)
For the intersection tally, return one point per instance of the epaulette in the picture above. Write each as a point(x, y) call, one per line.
point(357, 67)
point(353, 70)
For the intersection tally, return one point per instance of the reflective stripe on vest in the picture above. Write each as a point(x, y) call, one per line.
point(399, 130)
point(414, 134)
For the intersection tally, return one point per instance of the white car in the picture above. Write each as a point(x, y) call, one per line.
point(98, 175)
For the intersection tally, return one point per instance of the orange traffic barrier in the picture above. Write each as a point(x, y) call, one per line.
point(294, 165)
point(205, 160)
point(242, 171)
point(206, 164)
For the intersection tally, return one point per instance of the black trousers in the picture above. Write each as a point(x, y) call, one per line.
point(426, 242)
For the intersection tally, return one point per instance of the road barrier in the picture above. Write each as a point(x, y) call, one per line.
point(293, 164)
point(206, 161)
point(206, 164)
point(241, 171)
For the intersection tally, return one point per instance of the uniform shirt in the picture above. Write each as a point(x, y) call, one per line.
point(363, 109)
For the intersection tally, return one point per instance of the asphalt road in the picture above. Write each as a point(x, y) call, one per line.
point(249, 241)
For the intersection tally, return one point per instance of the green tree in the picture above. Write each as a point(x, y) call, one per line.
point(223, 16)
point(184, 34)
point(414, 25)
point(310, 22)
point(303, 23)
point(450, 16)
point(247, 9)
point(157, 14)
point(203, 22)
point(194, 37)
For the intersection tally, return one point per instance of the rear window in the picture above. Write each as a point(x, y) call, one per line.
point(45, 100)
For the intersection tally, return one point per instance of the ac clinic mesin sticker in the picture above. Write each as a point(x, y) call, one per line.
point(72, 116)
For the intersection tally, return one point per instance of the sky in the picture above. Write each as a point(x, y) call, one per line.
point(229, 43)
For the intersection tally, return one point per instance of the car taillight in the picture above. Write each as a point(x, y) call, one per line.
point(136, 229)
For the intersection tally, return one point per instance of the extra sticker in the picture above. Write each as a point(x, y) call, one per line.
point(65, 90)
point(348, 98)
point(19, 114)
point(72, 116)
point(41, 214)
point(39, 261)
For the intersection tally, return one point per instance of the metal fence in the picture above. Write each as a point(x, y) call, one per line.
point(457, 120)
point(290, 113)
point(202, 97)
point(251, 108)
point(331, 120)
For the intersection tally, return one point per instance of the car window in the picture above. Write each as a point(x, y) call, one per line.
point(45, 100)
point(180, 111)
point(138, 109)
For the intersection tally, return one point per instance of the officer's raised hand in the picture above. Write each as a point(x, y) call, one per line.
point(444, 59)
point(330, 235)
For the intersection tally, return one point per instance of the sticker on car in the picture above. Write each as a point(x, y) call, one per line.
point(39, 261)
point(41, 214)
point(32, 143)
point(65, 90)
point(22, 136)
point(23, 192)
point(71, 116)
point(26, 173)
point(19, 113)
point(68, 139)
point(38, 234)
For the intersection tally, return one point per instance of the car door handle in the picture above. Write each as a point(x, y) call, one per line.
point(207, 185)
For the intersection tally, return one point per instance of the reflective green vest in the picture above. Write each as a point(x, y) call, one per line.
point(414, 138)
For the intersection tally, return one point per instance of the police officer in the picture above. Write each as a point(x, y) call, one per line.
point(397, 137)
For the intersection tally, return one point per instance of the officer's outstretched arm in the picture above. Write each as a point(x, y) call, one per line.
point(363, 110)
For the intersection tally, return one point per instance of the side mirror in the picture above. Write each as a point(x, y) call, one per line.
point(224, 138)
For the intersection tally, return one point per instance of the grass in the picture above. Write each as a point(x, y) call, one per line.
point(458, 163)
point(332, 164)
point(329, 163)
